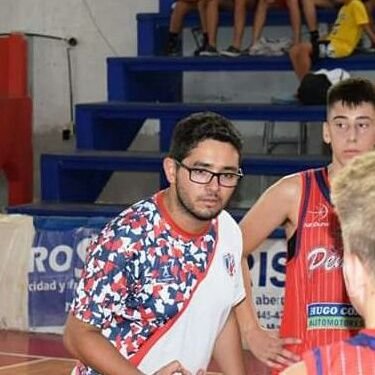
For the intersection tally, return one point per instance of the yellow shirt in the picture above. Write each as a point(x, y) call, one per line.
point(348, 28)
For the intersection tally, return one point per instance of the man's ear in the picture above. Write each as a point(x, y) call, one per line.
point(170, 168)
point(326, 133)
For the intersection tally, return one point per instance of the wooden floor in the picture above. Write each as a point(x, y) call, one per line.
point(33, 354)
point(24, 353)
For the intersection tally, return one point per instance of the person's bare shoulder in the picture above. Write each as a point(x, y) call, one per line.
point(278, 206)
point(290, 187)
point(298, 368)
point(284, 194)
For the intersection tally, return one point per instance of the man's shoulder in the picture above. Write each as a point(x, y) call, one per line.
point(143, 210)
point(289, 185)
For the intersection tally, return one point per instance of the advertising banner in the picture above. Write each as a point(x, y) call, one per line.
point(58, 254)
point(56, 261)
point(267, 266)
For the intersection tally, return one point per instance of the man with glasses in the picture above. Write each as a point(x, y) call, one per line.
point(317, 309)
point(160, 281)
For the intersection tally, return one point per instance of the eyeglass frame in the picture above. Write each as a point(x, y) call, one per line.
point(239, 174)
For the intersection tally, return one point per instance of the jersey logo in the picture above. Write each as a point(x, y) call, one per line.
point(318, 217)
point(322, 258)
point(230, 264)
point(165, 272)
point(332, 316)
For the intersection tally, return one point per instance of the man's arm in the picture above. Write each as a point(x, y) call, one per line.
point(370, 33)
point(87, 344)
point(277, 206)
point(228, 350)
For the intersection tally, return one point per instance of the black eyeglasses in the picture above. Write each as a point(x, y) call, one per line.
point(204, 176)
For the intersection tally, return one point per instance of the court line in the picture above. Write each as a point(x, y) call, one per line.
point(38, 356)
point(21, 364)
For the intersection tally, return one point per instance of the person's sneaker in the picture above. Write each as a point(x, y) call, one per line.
point(231, 52)
point(278, 46)
point(174, 47)
point(258, 49)
point(209, 51)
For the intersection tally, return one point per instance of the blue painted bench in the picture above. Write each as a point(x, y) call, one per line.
point(114, 125)
point(42, 209)
point(81, 176)
point(152, 28)
point(165, 6)
point(160, 79)
point(67, 209)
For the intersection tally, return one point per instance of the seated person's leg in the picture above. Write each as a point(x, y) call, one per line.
point(212, 19)
point(239, 23)
point(300, 56)
point(324, 3)
point(258, 24)
point(295, 20)
point(370, 6)
point(179, 12)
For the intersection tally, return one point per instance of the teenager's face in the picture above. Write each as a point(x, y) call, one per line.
point(205, 201)
point(350, 131)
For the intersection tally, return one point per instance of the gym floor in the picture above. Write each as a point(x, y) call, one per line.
point(24, 353)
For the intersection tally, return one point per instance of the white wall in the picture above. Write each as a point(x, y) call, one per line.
point(102, 27)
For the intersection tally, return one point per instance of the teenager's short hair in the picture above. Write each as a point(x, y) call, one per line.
point(351, 92)
point(353, 195)
point(199, 127)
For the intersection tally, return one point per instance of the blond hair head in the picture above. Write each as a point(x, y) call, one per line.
point(353, 195)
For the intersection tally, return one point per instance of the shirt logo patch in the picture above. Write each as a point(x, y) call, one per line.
point(317, 218)
point(230, 264)
point(165, 272)
point(332, 316)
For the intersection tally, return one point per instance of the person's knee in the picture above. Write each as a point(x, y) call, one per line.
point(265, 4)
point(299, 49)
point(294, 51)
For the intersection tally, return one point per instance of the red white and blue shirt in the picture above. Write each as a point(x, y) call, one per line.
point(156, 292)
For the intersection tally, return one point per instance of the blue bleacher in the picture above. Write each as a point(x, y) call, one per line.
point(151, 87)
point(153, 27)
point(81, 176)
point(160, 79)
point(114, 125)
point(43, 209)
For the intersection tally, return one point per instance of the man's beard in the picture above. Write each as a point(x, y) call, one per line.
point(188, 206)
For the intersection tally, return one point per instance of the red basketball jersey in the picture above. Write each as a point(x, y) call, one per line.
point(317, 309)
point(354, 356)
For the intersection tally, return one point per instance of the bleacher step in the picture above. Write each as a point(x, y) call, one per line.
point(114, 125)
point(81, 176)
point(160, 79)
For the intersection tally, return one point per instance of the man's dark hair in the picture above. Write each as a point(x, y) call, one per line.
point(199, 127)
point(351, 92)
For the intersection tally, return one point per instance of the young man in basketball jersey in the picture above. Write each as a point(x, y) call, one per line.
point(353, 195)
point(317, 310)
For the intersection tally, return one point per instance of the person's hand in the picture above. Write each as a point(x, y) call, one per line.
point(268, 348)
point(175, 367)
